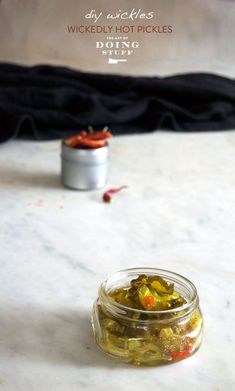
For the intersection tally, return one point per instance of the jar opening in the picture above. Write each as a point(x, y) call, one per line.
point(122, 279)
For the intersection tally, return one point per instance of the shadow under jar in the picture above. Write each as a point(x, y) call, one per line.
point(147, 337)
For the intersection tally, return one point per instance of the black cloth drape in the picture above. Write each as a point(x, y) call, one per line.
point(49, 102)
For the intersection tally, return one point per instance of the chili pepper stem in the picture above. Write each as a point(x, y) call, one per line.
point(90, 128)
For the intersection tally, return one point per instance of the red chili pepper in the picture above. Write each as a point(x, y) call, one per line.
point(99, 135)
point(97, 139)
point(107, 196)
point(83, 133)
point(91, 143)
point(73, 141)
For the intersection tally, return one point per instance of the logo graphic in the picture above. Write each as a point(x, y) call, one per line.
point(116, 46)
point(116, 60)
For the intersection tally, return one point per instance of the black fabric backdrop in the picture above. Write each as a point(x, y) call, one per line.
point(49, 102)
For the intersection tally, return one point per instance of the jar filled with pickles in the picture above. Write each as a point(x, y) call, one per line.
point(147, 316)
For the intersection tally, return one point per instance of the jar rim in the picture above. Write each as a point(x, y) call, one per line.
point(188, 307)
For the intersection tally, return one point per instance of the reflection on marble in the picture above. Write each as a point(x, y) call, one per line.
point(57, 246)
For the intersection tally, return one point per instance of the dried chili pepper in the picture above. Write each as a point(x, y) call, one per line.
point(87, 142)
point(94, 139)
point(107, 196)
point(99, 135)
point(73, 141)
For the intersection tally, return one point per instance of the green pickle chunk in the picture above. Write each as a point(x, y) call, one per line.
point(162, 339)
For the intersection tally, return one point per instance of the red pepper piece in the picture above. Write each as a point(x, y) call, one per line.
point(149, 301)
point(183, 354)
point(107, 196)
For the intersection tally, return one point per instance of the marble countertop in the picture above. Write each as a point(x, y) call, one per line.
point(58, 245)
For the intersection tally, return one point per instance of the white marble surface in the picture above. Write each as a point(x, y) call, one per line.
point(58, 245)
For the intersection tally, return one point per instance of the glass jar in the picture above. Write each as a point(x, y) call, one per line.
point(145, 337)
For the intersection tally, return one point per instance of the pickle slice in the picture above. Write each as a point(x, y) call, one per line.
point(149, 293)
